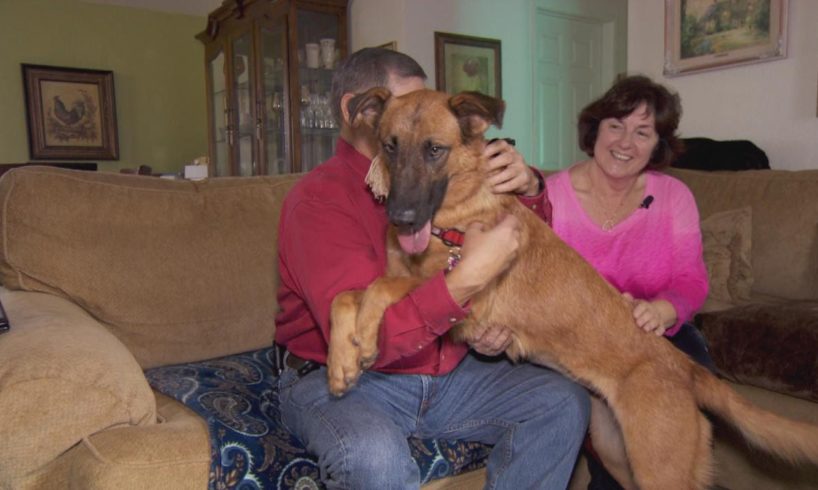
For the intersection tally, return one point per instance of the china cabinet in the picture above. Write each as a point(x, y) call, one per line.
point(268, 69)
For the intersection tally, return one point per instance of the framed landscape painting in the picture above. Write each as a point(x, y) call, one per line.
point(467, 63)
point(71, 113)
point(709, 34)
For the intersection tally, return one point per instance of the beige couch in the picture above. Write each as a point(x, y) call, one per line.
point(105, 275)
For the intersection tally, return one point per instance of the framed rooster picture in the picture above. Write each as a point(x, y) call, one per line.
point(71, 113)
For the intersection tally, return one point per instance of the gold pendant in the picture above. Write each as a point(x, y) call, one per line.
point(608, 225)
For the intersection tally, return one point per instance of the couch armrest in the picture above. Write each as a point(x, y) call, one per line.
point(771, 346)
point(174, 453)
point(63, 377)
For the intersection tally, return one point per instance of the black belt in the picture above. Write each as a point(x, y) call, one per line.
point(284, 359)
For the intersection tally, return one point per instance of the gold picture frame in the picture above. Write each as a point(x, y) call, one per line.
point(71, 113)
point(468, 63)
point(392, 45)
point(702, 35)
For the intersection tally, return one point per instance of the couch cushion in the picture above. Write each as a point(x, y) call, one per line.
point(772, 346)
point(785, 223)
point(164, 264)
point(238, 396)
point(726, 237)
point(63, 377)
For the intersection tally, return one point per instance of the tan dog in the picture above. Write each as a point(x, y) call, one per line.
point(562, 313)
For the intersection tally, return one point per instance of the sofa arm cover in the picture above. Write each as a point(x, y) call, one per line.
point(770, 346)
point(63, 377)
point(174, 453)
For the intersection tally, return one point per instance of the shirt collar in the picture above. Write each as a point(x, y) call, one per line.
point(352, 157)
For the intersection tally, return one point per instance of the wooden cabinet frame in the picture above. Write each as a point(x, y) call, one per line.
point(236, 18)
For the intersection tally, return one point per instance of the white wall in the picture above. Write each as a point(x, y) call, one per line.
point(412, 23)
point(772, 104)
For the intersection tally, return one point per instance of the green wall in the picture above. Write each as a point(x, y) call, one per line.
point(158, 70)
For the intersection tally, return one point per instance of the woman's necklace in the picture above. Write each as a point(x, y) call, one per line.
point(611, 218)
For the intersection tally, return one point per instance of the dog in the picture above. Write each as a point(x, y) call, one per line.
point(646, 422)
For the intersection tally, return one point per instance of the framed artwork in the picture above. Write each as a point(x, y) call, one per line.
point(467, 63)
point(393, 45)
point(71, 113)
point(709, 34)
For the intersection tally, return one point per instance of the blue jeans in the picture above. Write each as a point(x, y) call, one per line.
point(535, 418)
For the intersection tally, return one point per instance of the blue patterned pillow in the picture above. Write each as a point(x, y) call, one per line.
point(238, 397)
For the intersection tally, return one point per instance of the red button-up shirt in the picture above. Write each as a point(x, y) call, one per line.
point(332, 236)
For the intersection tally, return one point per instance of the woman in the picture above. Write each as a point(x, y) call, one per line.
point(639, 228)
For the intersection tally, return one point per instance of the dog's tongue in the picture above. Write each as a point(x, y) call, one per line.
point(415, 243)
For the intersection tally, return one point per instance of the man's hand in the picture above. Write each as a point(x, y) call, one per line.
point(486, 253)
point(508, 171)
point(490, 340)
point(652, 316)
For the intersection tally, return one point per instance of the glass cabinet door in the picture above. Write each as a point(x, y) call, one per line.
point(274, 114)
point(245, 129)
point(269, 71)
point(221, 115)
point(318, 54)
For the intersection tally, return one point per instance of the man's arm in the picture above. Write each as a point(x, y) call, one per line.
point(327, 251)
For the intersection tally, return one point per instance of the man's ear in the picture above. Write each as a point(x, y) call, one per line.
point(365, 108)
point(476, 112)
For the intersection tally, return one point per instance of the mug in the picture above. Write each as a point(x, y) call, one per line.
point(328, 52)
point(312, 51)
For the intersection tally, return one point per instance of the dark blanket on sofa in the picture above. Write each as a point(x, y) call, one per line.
point(710, 154)
point(770, 346)
point(238, 397)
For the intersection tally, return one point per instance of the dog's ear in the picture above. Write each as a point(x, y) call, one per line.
point(476, 112)
point(366, 108)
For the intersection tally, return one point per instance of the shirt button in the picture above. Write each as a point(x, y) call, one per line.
point(452, 320)
point(533, 206)
point(420, 346)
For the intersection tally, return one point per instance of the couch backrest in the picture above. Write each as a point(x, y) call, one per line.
point(177, 270)
point(784, 223)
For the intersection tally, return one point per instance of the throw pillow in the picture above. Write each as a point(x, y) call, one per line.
point(727, 241)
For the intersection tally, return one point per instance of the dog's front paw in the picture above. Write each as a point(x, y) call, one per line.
point(369, 355)
point(343, 370)
point(366, 338)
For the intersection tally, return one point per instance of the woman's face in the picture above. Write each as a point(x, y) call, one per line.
point(624, 146)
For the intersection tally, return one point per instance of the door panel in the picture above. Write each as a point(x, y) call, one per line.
point(569, 74)
point(578, 47)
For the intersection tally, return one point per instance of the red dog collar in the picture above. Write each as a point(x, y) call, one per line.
point(451, 237)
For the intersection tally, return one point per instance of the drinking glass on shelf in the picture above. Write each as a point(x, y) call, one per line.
point(277, 105)
point(307, 117)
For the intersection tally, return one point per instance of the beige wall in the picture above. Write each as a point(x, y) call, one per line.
point(158, 73)
point(772, 104)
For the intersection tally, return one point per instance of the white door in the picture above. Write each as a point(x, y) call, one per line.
point(578, 54)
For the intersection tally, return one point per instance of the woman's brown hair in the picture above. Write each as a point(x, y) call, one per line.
point(624, 97)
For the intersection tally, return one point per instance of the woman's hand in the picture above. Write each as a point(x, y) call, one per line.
point(652, 316)
point(508, 171)
point(490, 340)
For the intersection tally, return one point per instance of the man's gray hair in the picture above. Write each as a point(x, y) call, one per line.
point(367, 68)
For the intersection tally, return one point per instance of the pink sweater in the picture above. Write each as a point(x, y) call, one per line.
point(655, 253)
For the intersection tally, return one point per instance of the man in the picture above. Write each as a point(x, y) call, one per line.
point(332, 239)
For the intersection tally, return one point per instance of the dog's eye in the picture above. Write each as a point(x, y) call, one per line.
point(389, 147)
point(436, 151)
